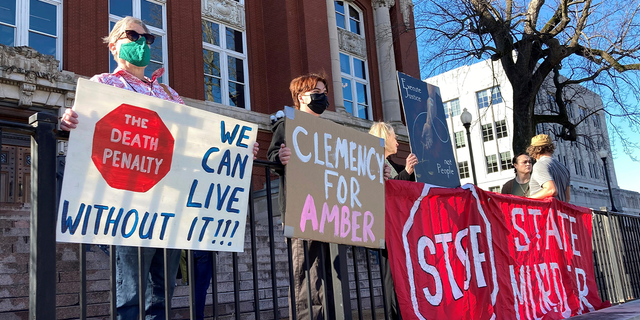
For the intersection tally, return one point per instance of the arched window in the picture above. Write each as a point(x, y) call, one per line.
point(353, 61)
point(348, 17)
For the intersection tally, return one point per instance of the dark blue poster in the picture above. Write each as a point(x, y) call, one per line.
point(428, 133)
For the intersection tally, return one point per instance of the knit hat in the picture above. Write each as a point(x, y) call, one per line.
point(541, 140)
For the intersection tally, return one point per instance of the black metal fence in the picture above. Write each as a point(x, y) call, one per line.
point(356, 288)
point(616, 256)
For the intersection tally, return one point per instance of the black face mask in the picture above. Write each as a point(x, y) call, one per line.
point(319, 102)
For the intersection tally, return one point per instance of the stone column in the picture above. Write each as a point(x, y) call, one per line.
point(387, 62)
point(334, 46)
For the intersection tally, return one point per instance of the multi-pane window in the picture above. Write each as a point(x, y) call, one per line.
point(355, 86)
point(348, 17)
point(488, 97)
point(33, 23)
point(354, 70)
point(591, 171)
point(154, 15)
point(452, 108)
point(487, 132)
point(501, 129)
point(225, 65)
point(569, 108)
point(495, 189)
point(581, 167)
point(492, 163)
point(505, 160)
point(583, 112)
point(460, 139)
point(596, 120)
point(463, 167)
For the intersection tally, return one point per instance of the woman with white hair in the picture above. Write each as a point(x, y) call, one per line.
point(129, 43)
point(398, 172)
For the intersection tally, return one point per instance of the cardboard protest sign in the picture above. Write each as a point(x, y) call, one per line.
point(428, 132)
point(142, 171)
point(335, 182)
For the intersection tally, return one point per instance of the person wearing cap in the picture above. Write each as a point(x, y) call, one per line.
point(550, 178)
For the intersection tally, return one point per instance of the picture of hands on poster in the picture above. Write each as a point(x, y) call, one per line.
point(428, 133)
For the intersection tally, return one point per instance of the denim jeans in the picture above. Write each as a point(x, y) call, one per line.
point(202, 279)
point(127, 287)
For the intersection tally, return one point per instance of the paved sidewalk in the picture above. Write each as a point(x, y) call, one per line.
point(625, 311)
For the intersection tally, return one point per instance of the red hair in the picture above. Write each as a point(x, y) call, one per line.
point(305, 83)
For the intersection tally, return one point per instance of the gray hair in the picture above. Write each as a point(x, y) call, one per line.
point(121, 26)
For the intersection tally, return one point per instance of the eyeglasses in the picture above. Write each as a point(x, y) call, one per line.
point(134, 36)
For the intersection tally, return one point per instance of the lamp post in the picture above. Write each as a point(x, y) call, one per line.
point(466, 118)
point(603, 154)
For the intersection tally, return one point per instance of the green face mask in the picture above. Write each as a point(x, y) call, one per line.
point(137, 53)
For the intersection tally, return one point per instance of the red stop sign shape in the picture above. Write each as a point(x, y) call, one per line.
point(132, 148)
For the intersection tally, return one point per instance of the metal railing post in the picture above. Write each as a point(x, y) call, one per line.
point(42, 271)
point(340, 281)
point(613, 257)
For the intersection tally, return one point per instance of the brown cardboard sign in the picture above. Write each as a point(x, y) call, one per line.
point(335, 182)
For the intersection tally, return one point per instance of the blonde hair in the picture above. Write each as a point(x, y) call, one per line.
point(381, 130)
point(121, 26)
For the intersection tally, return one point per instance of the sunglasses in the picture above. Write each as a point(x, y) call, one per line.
point(134, 36)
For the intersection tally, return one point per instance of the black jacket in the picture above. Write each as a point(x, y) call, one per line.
point(402, 173)
point(508, 187)
point(272, 155)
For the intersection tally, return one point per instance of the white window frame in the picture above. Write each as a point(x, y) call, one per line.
point(495, 161)
point(505, 164)
point(490, 136)
point(466, 172)
point(137, 13)
point(347, 18)
point(21, 31)
point(224, 67)
point(501, 124)
point(354, 90)
point(459, 141)
point(449, 110)
point(489, 93)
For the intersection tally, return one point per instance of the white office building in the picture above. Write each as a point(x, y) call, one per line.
point(484, 90)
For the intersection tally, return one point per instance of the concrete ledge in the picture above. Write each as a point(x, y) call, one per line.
point(625, 311)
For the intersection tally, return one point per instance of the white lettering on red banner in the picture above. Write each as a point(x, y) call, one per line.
point(466, 253)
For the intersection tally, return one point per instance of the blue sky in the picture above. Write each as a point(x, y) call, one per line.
point(627, 170)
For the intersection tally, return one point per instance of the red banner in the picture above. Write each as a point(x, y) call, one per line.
point(469, 254)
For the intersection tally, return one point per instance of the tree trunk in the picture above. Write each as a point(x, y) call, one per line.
point(523, 126)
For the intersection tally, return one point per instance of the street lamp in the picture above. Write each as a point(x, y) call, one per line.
point(466, 118)
point(603, 154)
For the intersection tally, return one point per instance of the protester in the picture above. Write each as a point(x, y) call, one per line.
point(309, 93)
point(398, 172)
point(550, 178)
point(129, 43)
point(519, 185)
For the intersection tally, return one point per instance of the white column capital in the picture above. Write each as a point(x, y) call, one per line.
point(383, 3)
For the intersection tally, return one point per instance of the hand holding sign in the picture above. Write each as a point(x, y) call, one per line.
point(284, 154)
point(335, 189)
point(146, 172)
point(412, 160)
point(69, 120)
